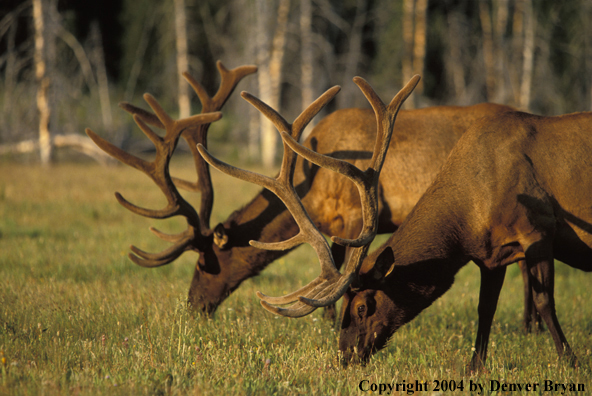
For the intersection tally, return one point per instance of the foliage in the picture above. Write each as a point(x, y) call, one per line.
point(361, 37)
point(77, 317)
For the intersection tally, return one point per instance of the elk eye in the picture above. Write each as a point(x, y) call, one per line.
point(361, 311)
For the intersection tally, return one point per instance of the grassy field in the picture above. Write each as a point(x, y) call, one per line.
point(77, 317)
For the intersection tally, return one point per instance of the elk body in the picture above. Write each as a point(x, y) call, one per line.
point(421, 142)
point(505, 194)
point(418, 150)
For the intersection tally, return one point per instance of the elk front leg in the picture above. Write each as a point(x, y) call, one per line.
point(491, 285)
point(542, 278)
point(531, 318)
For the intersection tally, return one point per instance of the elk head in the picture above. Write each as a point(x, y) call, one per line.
point(379, 302)
point(330, 285)
point(205, 293)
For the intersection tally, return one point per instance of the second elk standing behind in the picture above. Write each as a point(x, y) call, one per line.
point(506, 194)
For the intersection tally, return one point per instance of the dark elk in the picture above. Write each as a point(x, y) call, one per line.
point(505, 195)
point(420, 145)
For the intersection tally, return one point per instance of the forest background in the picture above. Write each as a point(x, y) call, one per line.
point(65, 64)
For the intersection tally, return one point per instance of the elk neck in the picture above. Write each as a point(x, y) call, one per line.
point(425, 254)
point(264, 219)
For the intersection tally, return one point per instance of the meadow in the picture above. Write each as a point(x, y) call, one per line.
point(78, 317)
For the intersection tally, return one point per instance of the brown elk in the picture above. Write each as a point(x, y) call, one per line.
point(423, 138)
point(504, 195)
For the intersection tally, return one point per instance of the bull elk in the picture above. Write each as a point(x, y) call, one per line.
point(421, 142)
point(505, 195)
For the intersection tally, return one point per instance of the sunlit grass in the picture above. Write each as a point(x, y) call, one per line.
point(77, 317)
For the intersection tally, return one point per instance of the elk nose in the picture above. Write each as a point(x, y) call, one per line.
point(351, 356)
point(345, 357)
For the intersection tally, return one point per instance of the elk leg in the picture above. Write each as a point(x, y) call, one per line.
point(491, 285)
point(531, 318)
point(542, 276)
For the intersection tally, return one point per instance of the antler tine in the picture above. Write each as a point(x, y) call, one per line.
point(385, 115)
point(182, 243)
point(277, 120)
point(295, 130)
point(229, 79)
point(117, 153)
point(325, 290)
point(148, 117)
point(153, 263)
point(321, 293)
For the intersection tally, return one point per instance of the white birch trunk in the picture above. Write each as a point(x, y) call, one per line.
point(182, 58)
point(45, 147)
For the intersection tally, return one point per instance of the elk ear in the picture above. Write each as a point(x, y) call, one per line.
point(384, 265)
point(220, 237)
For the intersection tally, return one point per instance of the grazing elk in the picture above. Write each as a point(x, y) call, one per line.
point(422, 141)
point(506, 194)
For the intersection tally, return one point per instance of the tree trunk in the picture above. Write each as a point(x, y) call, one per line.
point(10, 25)
point(494, 22)
point(45, 144)
point(354, 54)
point(10, 70)
point(270, 72)
point(454, 65)
point(488, 54)
point(407, 61)
point(306, 58)
point(182, 58)
point(132, 80)
point(267, 134)
point(419, 44)
point(98, 58)
point(415, 39)
point(528, 56)
point(517, 53)
point(500, 55)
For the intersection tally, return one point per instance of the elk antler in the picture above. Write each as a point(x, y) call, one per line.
point(194, 130)
point(330, 285)
point(197, 134)
point(158, 171)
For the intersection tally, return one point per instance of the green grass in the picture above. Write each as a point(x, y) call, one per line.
point(77, 317)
